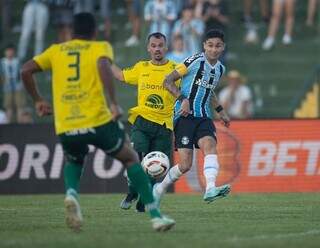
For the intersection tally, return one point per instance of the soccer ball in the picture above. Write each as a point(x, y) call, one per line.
point(156, 164)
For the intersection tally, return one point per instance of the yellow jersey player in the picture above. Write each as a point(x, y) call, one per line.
point(80, 69)
point(152, 119)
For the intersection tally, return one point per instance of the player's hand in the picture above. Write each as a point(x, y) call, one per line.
point(116, 111)
point(43, 107)
point(224, 118)
point(185, 108)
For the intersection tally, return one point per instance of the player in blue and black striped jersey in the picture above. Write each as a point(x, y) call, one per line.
point(193, 125)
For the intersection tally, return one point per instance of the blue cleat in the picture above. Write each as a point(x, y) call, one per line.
point(216, 193)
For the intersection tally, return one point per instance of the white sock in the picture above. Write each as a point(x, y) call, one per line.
point(210, 170)
point(173, 175)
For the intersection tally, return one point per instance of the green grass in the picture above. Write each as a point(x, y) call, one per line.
point(246, 220)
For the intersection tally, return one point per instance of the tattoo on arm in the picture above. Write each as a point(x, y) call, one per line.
point(169, 83)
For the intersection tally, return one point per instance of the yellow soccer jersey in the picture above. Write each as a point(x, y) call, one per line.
point(78, 94)
point(155, 103)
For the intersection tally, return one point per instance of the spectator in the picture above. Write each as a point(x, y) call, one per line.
point(26, 116)
point(278, 7)
point(177, 54)
point(160, 14)
point(34, 18)
point(312, 8)
point(62, 14)
point(3, 117)
point(83, 6)
point(251, 28)
point(215, 15)
point(236, 98)
point(105, 15)
point(6, 15)
point(134, 9)
point(14, 98)
point(191, 30)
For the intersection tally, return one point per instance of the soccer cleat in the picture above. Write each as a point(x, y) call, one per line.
point(156, 195)
point(73, 213)
point(162, 224)
point(216, 193)
point(127, 202)
point(286, 40)
point(140, 207)
point(268, 43)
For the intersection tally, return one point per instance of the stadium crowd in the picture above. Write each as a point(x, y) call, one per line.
point(183, 23)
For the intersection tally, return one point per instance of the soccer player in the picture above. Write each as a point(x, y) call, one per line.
point(80, 69)
point(152, 119)
point(193, 125)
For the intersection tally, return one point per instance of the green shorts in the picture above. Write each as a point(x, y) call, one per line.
point(148, 136)
point(108, 137)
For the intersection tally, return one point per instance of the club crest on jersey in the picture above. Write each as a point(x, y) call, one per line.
point(185, 140)
point(154, 101)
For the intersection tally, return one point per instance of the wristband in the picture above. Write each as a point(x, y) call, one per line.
point(219, 108)
point(181, 98)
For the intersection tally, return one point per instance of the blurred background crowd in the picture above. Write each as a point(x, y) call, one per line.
point(272, 55)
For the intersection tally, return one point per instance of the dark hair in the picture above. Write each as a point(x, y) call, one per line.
point(10, 46)
point(84, 25)
point(157, 35)
point(214, 33)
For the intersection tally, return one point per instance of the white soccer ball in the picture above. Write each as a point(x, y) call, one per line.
point(156, 164)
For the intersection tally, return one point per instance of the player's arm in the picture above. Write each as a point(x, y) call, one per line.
point(106, 76)
point(117, 72)
point(224, 118)
point(28, 69)
point(169, 84)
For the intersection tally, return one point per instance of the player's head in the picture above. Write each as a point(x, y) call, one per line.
point(177, 43)
point(157, 46)
point(213, 44)
point(84, 26)
point(10, 51)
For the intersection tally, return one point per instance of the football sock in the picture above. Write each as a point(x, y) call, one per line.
point(72, 174)
point(142, 184)
point(210, 169)
point(131, 188)
point(173, 175)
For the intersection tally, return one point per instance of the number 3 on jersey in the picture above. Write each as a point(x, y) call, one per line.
point(75, 66)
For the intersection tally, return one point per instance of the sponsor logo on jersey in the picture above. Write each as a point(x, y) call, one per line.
point(147, 86)
point(154, 101)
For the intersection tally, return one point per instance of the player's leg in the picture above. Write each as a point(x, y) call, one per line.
point(75, 149)
point(183, 132)
point(206, 141)
point(141, 144)
point(148, 136)
point(120, 148)
point(8, 106)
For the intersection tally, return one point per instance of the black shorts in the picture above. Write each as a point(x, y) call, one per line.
point(188, 131)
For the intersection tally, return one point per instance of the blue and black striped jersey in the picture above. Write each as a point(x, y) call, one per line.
point(198, 82)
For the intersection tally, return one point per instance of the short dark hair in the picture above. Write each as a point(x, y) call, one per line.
point(10, 46)
point(84, 25)
point(157, 35)
point(214, 33)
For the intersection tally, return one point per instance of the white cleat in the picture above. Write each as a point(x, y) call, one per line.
point(162, 224)
point(286, 40)
point(268, 43)
point(73, 213)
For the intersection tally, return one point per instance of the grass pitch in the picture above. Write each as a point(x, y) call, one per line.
point(246, 220)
